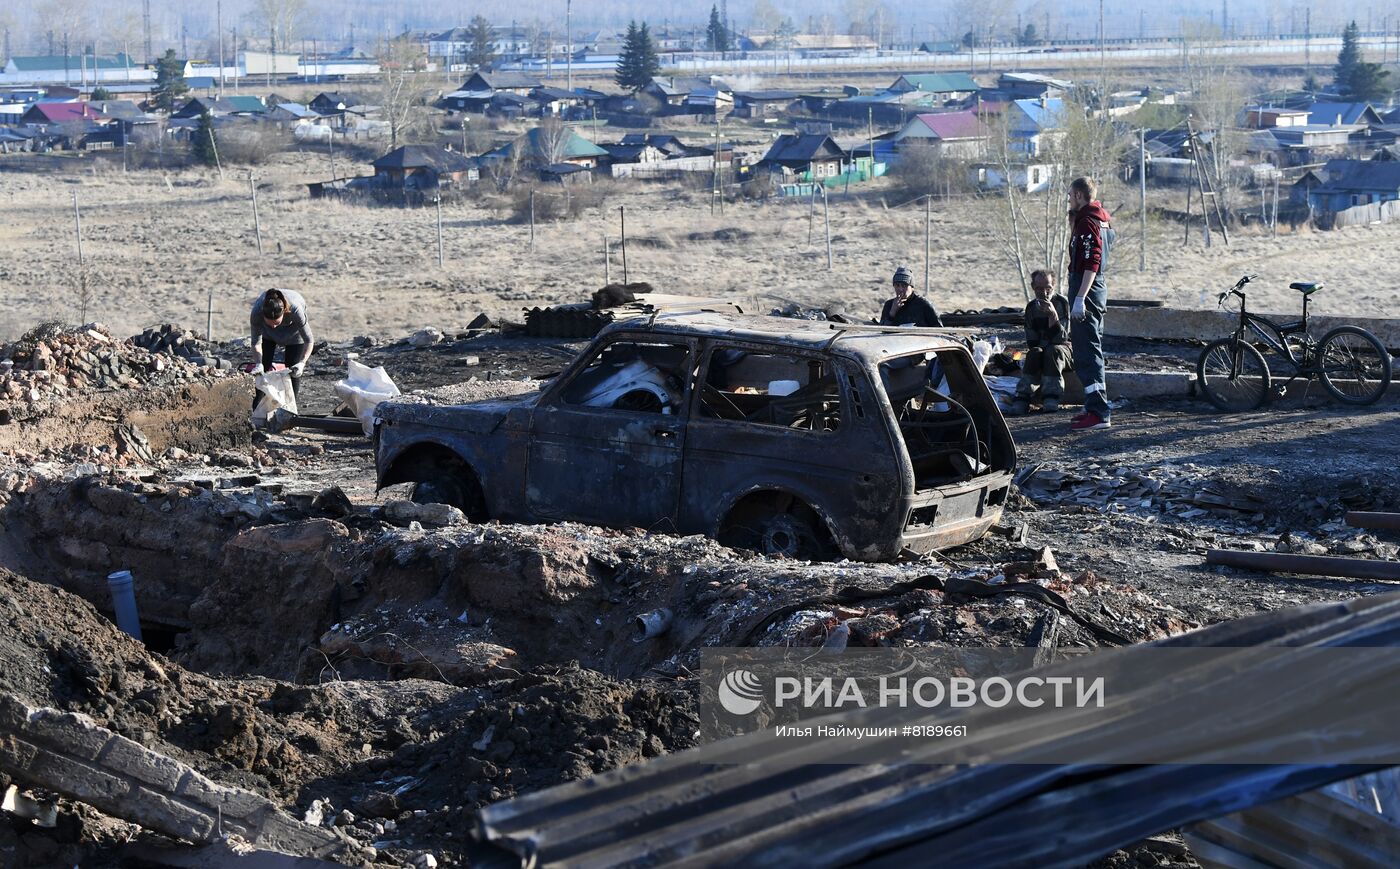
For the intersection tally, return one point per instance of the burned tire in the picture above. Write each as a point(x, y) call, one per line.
point(455, 488)
point(1355, 365)
point(1233, 375)
point(778, 526)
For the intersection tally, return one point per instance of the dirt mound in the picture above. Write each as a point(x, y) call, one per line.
point(409, 759)
point(548, 727)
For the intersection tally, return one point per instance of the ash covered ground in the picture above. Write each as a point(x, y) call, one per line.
point(385, 669)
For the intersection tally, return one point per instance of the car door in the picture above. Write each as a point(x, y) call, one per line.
point(779, 418)
point(606, 443)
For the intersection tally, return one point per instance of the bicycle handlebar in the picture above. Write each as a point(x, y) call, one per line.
point(1235, 290)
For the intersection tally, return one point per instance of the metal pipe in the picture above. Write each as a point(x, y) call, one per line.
point(1380, 521)
point(653, 624)
point(333, 424)
point(1314, 565)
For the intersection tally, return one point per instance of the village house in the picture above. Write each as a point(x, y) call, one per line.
point(423, 167)
point(763, 104)
point(946, 87)
point(49, 114)
point(1339, 114)
point(673, 91)
point(960, 135)
point(1343, 184)
point(1028, 177)
point(1013, 86)
point(331, 103)
point(1258, 117)
point(1034, 126)
point(1300, 146)
point(543, 147)
point(517, 83)
point(218, 108)
point(814, 156)
point(556, 102)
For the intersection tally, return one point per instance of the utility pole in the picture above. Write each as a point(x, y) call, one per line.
point(219, 26)
point(622, 215)
point(1103, 66)
point(146, 23)
point(1142, 199)
point(1307, 39)
point(78, 227)
point(826, 218)
point(870, 134)
point(257, 227)
point(928, 235)
point(437, 200)
point(569, 40)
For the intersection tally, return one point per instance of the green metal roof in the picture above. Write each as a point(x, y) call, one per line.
point(574, 146)
point(941, 82)
point(246, 104)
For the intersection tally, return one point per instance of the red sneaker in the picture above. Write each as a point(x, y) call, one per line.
point(1089, 422)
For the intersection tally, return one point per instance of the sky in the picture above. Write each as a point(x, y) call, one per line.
point(113, 24)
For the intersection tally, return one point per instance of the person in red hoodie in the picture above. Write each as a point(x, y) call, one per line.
point(1090, 239)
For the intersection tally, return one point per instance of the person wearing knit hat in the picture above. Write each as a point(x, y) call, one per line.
point(907, 308)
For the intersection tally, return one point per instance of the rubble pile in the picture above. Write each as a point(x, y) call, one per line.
point(1183, 490)
point(51, 361)
point(177, 341)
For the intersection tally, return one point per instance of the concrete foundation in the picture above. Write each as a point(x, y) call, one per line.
point(1176, 324)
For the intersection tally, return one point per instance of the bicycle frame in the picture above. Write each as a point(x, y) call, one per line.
point(1274, 338)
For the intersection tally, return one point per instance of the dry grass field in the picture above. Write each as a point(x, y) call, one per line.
point(156, 243)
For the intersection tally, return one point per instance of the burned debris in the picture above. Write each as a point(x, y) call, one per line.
point(390, 672)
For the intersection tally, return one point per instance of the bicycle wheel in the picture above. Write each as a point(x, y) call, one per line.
point(1355, 366)
point(1233, 375)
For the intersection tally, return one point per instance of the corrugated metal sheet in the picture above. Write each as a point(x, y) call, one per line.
point(758, 800)
point(1352, 824)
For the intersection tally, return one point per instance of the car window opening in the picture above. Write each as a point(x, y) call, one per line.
point(943, 423)
point(635, 376)
point(777, 389)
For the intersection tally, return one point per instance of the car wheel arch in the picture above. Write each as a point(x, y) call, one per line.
point(775, 491)
point(407, 465)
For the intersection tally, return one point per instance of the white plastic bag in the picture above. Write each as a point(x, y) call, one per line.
point(362, 390)
point(982, 351)
point(276, 389)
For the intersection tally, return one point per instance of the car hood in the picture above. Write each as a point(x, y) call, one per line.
point(478, 416)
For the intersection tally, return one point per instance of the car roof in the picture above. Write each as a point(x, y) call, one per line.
point(869, 343)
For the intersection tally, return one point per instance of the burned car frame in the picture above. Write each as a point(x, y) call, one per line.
point(797, 438)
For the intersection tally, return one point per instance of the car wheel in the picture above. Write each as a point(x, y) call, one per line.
point(779, 527)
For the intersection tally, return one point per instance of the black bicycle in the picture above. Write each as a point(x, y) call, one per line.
point(1352, 363)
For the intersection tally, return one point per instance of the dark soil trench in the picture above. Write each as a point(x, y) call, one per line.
point(299, 595)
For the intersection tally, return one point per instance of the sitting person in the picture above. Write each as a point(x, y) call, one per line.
point(908, 308)
point(1047, 347)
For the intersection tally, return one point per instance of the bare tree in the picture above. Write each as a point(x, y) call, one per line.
point(281, 20)
point(505, 164)
point(1031, 227)
point(1216, 95)
point(553, 140)
point(401, 97)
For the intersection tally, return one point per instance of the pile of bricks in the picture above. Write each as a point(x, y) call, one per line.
point(52, 361)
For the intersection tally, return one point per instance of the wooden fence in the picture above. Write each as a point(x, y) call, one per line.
point(1359, 215)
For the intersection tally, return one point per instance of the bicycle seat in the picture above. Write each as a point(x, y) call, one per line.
point(1307, 288)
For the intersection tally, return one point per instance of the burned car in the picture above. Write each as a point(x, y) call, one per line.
point(805, 439)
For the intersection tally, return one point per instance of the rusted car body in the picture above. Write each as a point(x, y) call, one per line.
point(807, 439)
